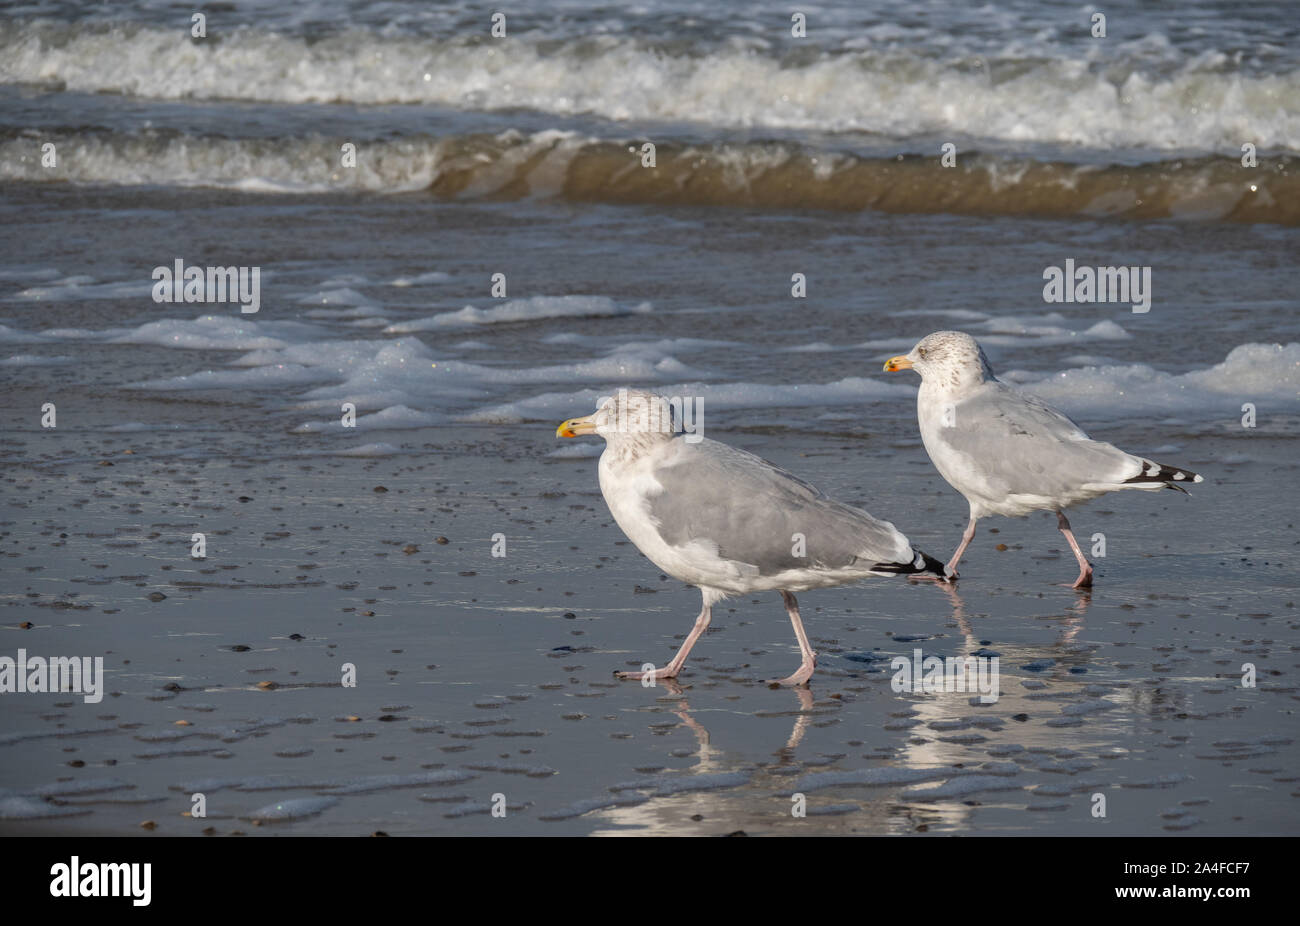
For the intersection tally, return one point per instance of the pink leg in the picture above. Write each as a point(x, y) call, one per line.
point(1085, 570)
point(966, 538)
point(671, 670)
point(809, 658)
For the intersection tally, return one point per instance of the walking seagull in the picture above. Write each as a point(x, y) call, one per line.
point(1008, 452)
point(729, 522)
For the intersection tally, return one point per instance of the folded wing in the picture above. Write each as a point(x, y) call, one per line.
point(1019, 445)
point(759, 514)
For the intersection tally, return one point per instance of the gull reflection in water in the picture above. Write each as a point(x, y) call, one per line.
point(745, 792)
point(926, 730)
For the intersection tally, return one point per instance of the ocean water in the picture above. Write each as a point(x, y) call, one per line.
point(501, 254)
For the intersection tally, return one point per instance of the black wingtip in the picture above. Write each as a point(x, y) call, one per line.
point(923, 562)
point(932, 565)
point(1173, 477)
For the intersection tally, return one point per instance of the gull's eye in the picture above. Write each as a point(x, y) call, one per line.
point(921, 352)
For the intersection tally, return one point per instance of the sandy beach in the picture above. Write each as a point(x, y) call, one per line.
point(412, 598)
point(481, 675)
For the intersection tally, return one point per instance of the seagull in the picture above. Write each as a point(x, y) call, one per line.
point(728, 522)
point(1008, 452)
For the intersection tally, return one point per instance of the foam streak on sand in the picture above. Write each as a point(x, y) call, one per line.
point(1250, 372)
point(521, 310)
point(1262, 371)
point(416, 385)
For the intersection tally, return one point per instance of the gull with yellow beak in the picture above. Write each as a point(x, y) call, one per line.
point(1008, 452)
point(729, 522)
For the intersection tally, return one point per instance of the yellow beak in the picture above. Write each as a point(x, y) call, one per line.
point(893, 364)
point(575, 426)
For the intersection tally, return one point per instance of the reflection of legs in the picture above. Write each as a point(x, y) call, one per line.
point(683, 714)
point(966, 538)
point(801, 724)
point(1085, 571)
point(809, 658)
point(671, 670)
point(959, 613)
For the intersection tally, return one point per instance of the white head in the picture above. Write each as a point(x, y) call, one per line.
point(633, 420)
point(948, 359)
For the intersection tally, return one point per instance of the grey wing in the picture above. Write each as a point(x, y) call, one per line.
point(759, 514)
point(1023, 446)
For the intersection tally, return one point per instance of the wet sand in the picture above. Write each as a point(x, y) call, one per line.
point(480, 675)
